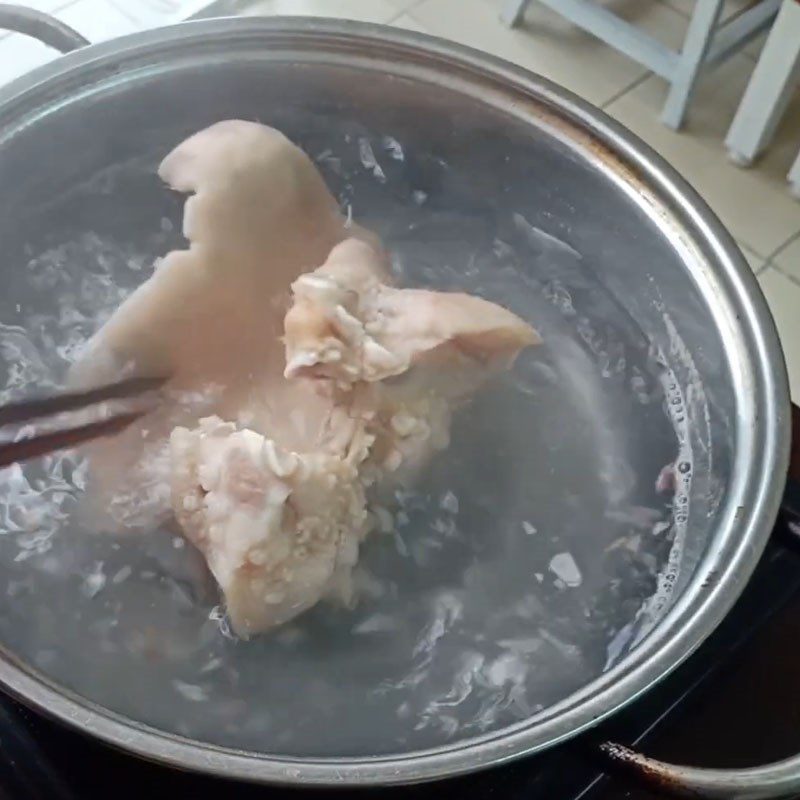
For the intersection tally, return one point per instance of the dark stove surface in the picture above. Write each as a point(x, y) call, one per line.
point(736, 702)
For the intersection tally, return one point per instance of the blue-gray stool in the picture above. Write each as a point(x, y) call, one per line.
point(707, 43)
point(768, 93)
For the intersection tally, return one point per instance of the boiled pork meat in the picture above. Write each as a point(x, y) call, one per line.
point(304, 384)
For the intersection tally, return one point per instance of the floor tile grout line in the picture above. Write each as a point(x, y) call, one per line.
point(743, 243)
point(403, 11)
point(780, 248)
point(746, 247)
point(771, 263)
point(393, 20)
point(795, 280)
point(396, 17)
point(167, 18)
point(629, 88)
point(121, 8)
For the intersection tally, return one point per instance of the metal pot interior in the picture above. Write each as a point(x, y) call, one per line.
point(570, 512)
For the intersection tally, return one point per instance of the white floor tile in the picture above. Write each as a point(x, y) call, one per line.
point(754, 203)
point(409, 23)
point(48, 6)
point(788, 259)
point(20, 54)
point(97, 20)
point(549, 45)
point(152, 13)
point(379, 11)
point(783, 296)
point(403, 5)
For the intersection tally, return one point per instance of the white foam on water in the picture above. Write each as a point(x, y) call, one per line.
point(681, 471)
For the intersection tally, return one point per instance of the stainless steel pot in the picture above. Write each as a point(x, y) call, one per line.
point(613, 495)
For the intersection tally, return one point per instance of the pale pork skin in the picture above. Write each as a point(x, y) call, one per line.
point(324, 384)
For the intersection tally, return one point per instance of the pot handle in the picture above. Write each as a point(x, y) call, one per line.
point(46, 29)
point(769, 782)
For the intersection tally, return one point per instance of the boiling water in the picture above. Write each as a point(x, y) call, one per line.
point(531, 556)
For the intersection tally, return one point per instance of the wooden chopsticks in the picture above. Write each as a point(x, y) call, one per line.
point(41, 444)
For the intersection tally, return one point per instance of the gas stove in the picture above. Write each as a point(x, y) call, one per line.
point(734, 703)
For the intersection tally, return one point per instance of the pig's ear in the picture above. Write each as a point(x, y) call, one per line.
point(258, 206)
point(211, 153)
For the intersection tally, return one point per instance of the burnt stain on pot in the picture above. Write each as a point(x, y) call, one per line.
point(651, 772)
point(625, 170)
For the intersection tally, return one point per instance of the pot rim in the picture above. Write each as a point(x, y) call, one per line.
point(745, 517)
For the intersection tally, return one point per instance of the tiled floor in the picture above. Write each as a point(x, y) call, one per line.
point(754, 203)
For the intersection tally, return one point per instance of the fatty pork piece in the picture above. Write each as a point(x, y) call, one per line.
point(281, 529)
point(407, 356)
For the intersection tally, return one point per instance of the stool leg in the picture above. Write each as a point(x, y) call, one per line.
point(769, 89)
point(695, 46)
point(513, 11)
